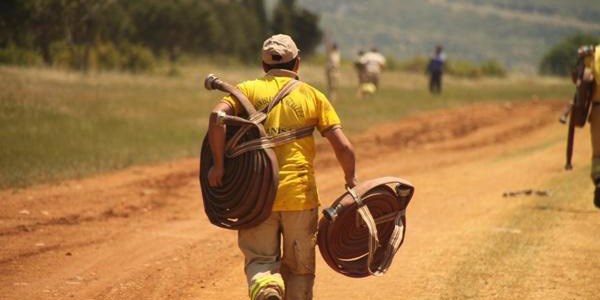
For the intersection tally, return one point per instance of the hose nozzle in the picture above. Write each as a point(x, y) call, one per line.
point(212, 82)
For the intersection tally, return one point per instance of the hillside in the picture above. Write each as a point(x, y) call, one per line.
point(514, 32)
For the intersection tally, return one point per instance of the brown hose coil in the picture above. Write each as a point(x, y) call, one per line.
point(364, 228)
point(250, 183)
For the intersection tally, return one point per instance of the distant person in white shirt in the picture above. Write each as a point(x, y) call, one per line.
point(373, 63)
point(332, 70)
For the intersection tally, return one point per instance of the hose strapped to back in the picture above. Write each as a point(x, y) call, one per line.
point(250, 182)
point(364, 228)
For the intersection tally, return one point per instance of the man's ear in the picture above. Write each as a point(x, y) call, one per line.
point(297, 64)
point(265, 67)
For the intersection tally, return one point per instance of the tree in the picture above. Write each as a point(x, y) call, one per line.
point(299, 23)
point(561, 58)
point(111, 34)
point(15, 16)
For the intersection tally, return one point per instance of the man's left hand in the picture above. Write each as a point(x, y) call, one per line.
point(215, 176)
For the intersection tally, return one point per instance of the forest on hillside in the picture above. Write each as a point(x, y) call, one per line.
point(131, 35)
point(516, 33)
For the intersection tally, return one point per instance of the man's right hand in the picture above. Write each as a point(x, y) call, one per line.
point(215, 176)
point(351, 182)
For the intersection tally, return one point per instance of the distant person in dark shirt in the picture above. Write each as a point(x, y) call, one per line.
point(435, 69)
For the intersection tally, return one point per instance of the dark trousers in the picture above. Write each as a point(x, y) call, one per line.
point(435, 82)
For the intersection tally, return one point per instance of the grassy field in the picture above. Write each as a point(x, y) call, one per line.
point(58, 125)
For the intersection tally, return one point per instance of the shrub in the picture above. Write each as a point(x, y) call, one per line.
point(560, 59)
point(461, 68)
point(137, 58)
point(417, 64)
point(391, 63)
point(11, 55)
point(492, 68)
point(61, 56)
point(68, 56)
point(107, 57)
point(458, 68)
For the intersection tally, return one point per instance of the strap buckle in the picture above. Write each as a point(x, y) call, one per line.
point(355, 196)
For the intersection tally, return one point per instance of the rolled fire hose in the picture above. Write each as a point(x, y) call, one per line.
point(249, 185)
point(364, 228)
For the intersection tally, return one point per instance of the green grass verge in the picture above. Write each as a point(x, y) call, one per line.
point(504, 265)
point(57, 125)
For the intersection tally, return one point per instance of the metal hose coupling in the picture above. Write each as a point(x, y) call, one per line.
point(332, 212)
point(212, 82)
point(403, 190)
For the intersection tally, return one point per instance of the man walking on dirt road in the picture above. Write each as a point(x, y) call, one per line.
point(292, 224)
point(435, 69)
point(374, 63)
point(591, 56)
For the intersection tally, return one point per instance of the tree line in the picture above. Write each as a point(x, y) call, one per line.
point(131, 35)
point(562, 57)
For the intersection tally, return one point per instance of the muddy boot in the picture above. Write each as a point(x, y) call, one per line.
point(270, 294)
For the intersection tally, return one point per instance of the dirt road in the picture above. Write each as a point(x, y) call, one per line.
point(142, 234)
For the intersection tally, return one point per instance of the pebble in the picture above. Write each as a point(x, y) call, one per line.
point(20, 284)
point(24, 212)
point(75, 280)
point(148, 192)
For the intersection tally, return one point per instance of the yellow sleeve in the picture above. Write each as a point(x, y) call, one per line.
point(327, 117)
point(233, 102)
point(596, 70)
point(596, 64)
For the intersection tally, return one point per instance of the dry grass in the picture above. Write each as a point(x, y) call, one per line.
point(58, 124)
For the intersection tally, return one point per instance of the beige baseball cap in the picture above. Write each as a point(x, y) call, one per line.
point(279, 49)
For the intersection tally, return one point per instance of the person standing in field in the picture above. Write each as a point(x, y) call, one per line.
point(435, 69)
point(292, 226)
point(374, 63)
point(332, 70)
point(360, 71)
point(591, 56)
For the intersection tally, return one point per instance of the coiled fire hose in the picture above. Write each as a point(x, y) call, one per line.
point(364, 228)
point(249, 185)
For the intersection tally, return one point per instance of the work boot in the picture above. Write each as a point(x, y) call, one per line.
point(271, 294)
point(597, 194)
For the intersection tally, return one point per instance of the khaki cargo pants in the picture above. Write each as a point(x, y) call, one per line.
point(333, 79)
point(595, 133)
point(264, 262)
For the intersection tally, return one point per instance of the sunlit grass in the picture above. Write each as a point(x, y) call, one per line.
point(57, 125)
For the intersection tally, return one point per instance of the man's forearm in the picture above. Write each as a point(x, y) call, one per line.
point(216, 139)
point(347, 160)
point(344, 153)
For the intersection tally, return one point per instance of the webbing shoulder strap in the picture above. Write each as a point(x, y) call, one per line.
point(397, 235)
point(234, 148)
point(285, 90)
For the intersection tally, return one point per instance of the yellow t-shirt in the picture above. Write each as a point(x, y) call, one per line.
point(304, 106)
point(597, 73)
point(593, 62)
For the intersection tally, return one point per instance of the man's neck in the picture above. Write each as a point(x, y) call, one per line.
point(283, 73)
